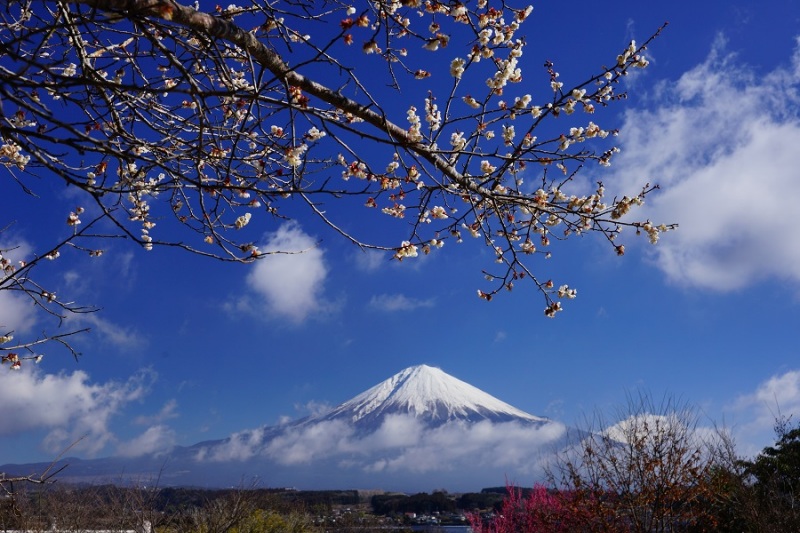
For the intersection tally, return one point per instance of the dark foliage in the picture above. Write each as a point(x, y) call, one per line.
point(771, 491)
point(422, 503)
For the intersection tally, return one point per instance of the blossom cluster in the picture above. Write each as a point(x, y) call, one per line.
point(12, 154)
point(12, 359)
point(177, 126)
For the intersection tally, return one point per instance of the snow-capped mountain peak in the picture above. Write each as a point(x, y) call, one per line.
point(429, 394)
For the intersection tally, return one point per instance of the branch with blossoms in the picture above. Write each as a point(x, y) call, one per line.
point(17, 277)
point(182, 128)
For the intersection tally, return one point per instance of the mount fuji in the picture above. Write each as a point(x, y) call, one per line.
point(420, 429)
point(429, 395)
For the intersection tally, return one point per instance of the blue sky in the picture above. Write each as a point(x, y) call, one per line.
point(186, 349)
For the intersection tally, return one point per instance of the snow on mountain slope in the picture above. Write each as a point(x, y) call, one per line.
point(429, 394)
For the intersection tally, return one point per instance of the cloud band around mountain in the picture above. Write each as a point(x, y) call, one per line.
point(401, 443)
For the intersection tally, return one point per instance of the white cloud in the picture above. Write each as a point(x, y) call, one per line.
point(126, 268)
point(778, 397)
point(372, 260)
point(313, 407)
point(722, 143)
point(68, 407)
point(395, 432)
point(168, 411)
point(15, 249)
point(498, 446)
point(291, 282)
point(398, 302)
point(155, 440)
point(17, 312)
point(242, 445)
point(401, 444)
point(305, 444)
point(652, 429)
point(120, 336)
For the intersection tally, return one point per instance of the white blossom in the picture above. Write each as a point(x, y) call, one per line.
point(315, 134)
point(565, 292)
point(508, 134)
point(242, 221)
point(406, 250)
point(294, 156)
point(470, 101)
point(457, 141)
point(439, 212)
point(457, 67)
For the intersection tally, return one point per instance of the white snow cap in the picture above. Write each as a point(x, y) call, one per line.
point(428, 392)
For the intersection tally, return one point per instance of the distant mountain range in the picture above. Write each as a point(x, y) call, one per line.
point(418, 430)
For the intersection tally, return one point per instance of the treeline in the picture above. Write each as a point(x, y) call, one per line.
point(168, 510)
point(171, 499)
point(182, 509)
point(437, 502)
point(179, 500)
